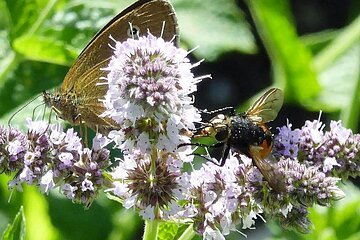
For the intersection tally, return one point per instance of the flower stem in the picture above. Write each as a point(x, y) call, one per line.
point(151, 229)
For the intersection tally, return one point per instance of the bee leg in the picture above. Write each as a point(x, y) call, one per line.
point(206, 158)
point(225, 155)
point(215, 145)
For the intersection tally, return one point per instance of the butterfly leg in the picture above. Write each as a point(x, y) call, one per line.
point(83, 130)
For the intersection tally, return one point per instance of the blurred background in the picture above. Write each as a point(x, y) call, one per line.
point(310, 49)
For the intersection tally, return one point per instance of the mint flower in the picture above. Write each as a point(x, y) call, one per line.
point(48, 157)
point(149, 82)
point(13, 146)
point(334, 152)
point(147, 187)
point(222, 198)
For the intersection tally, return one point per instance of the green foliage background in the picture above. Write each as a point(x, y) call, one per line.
point(39, 40)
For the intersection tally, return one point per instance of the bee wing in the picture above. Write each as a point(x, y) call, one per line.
point(266, 108)
point(273, 177)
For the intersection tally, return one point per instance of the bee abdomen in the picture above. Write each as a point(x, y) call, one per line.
point(245, 133)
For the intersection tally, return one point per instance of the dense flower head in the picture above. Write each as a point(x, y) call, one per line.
point(149, 82)
point(335, 152)
point(223, 197)
point(147, 183)
point(87, 177)
point(13, 146)
point(308, 185)
point(48, 157)
point(296, 219)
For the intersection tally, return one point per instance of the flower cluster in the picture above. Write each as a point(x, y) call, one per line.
point(49, 157)
point(148, 184)
point(149, 82)
point(334, 152)
point(220, 198)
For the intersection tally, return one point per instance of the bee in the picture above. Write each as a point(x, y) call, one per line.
point(246, 132)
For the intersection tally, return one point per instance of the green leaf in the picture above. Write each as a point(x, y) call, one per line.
point(23, 14)
point(337, 60)
point(215, 27)
point(167, 231)
point(339, 63)
point(340, 84)
point(77, 22)
point(291, 60)
point(8, 59)
point(317, 41)
point(16, 230)
point(28, 16)
point(45, 49)
point(5, 17)
point(39, 224)
point(349, 37)
point(342, 219)
point(72, 221)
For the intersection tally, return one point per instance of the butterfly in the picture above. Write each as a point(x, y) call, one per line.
point(77, 101)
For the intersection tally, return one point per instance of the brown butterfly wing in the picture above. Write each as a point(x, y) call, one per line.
point(146, 15)
point(83, 76)
point(89, 107)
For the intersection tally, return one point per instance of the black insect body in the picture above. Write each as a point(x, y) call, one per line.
point(246, 133)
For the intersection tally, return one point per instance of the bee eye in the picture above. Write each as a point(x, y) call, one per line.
point(222, 135)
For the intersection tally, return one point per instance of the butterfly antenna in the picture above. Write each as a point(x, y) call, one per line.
point(20, 109)
point(33, 112)
point(43, 115)
point(217, 110)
